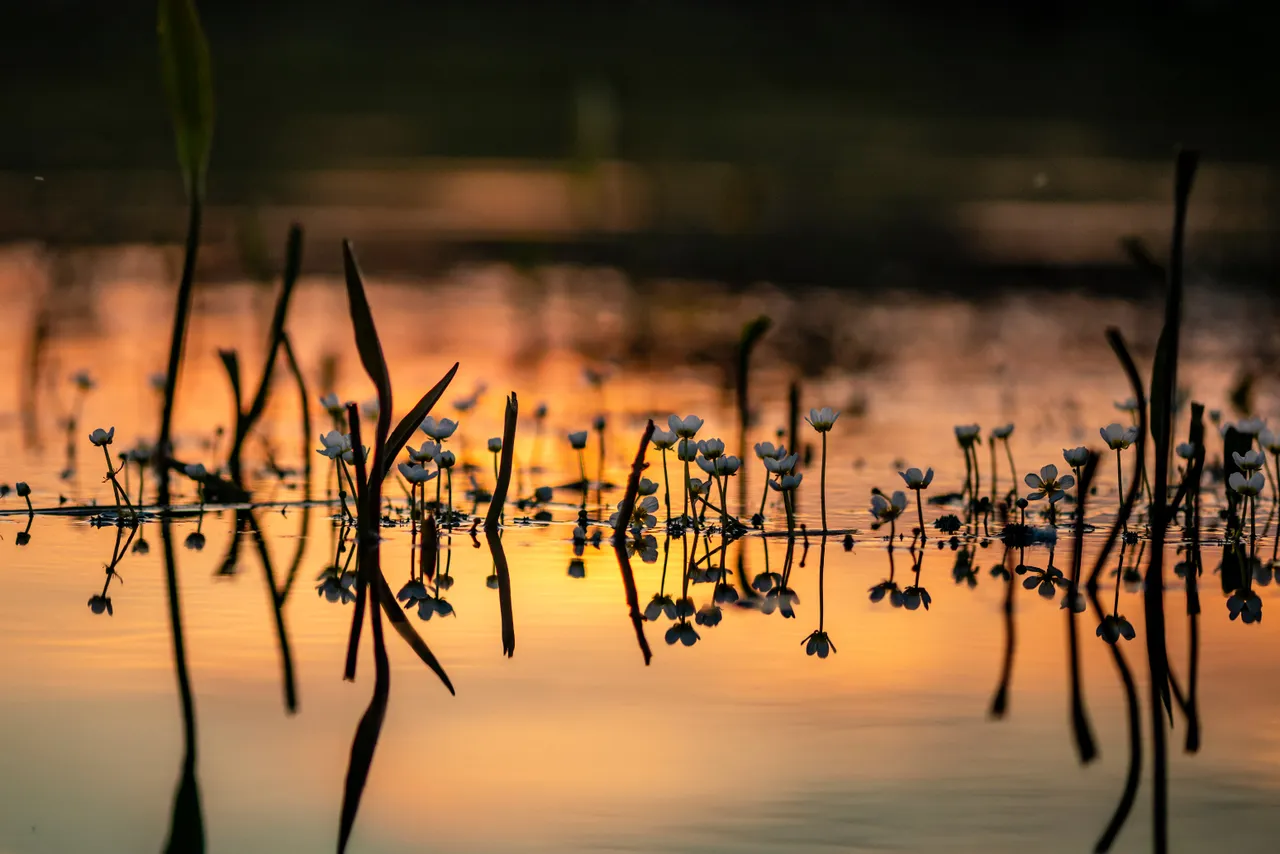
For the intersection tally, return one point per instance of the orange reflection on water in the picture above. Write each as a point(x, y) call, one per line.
point(573, 742)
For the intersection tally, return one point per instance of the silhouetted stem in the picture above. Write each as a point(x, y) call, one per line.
point(666, 485)
point(920, 513)
point(181, 311)
point(823, 480)
point(1013, 471)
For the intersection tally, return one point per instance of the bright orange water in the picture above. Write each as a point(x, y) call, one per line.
point(740, 743)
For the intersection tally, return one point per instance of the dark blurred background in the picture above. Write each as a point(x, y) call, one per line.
point(848, 143)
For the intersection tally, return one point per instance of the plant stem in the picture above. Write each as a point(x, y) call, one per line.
point(992, 445)
point(823, 481)
point(920, 512)
point(666, 486)
point(1120, 484)
point(181, 311)
point(1013, 471)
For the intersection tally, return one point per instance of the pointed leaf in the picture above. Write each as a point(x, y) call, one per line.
point(401, 624)
point(188, 85)
point(404, 430)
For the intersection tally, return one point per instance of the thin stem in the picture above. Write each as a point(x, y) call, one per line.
point(1120, 484)
point(992, 446)
point(1013, 471)
point(449, 509)
point(181, 311)
point(823, 480)
point(920, 512)
point(764, 498)
point(666, 486)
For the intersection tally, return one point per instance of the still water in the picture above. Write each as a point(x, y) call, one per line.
point(739, 742)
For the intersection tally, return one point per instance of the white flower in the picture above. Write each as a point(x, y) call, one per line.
point(578, 440)
point(196, 471)
point(335, 444)
point(438, 430)
point(332, 405)
point(495, 445)
point(915, 480)
point(685, 428)
point(719, 465)
point(349, 455)
point(687, 451)
point(1250, 460)
point(967, 434)
point(641, 514)
point(766, 450)
point(1252, 486)
point(697, 487)
point(1250, 426)
point(446, 460)
point(646, 487)
point(102, 437)
point(711, 448)
point(822, 419)
point(1127, 405)
point(782, 465)
point(157, 382)
point(663, 440)
point(1047, 483)
point(141, 452)
point(1186, 450)
point(1117, 437)
point(1003, 432)
point(886, 510)
point(1076, 457)
point(371, 409)
point(83, 381)
point(787, 482)
point(1270, 442)
point(428, 453)
point(415, 473)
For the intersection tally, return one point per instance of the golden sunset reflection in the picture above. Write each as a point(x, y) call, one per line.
point(573, 744)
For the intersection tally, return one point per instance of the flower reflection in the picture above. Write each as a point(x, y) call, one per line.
point(709, 616)
point(682, 632)
point(818, 644)
point(336, 586)
point(1245, 604)
point(1113, 627)
point(781, 599)
point(887, 587)
point(1044, 581)
point(661, 605)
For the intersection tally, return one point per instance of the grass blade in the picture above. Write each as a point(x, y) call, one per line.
point(186, 827)
point(405, 629)
point(188, 85)
point(1086, 747)
point(367, 732)
point(404, 430)
point(504, 469)
point(504, 592)
point(620, 544)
